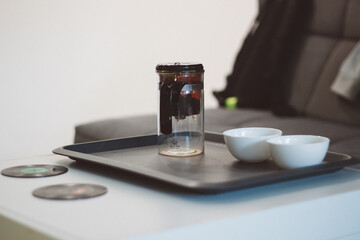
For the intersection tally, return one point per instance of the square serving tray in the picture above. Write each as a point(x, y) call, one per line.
point(214, 172)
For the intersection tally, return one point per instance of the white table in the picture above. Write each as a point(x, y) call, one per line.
point(321, 207)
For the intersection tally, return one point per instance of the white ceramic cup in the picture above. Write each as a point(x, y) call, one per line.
point(249, 144)
point(295, 151)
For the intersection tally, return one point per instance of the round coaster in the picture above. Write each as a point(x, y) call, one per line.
point(69, 191)
point(34, 171)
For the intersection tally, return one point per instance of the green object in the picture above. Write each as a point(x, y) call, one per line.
point(34, 170)
point(231, 102)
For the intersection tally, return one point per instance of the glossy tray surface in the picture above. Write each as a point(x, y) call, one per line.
point(215, 171)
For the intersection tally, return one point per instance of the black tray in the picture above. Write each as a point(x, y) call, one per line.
point(215, 171)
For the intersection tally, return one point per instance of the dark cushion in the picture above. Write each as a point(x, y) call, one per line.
point(349, 146)
point(221, 119)
point(305, 125)
point(352, 18)
point(333, 32)
point(344, 138)
point(309, 66)
point(115, 128)
point(327, 17)
point(325, 104)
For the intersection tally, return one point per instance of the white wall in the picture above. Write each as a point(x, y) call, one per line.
point(65, 62)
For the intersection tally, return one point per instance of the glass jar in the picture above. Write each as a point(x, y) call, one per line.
point(181, 109)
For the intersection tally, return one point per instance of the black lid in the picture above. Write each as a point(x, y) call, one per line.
point(180, 67)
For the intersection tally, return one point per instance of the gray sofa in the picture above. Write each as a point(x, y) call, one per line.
point(333, 32)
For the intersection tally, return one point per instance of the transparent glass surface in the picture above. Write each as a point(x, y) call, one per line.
point(181, 114)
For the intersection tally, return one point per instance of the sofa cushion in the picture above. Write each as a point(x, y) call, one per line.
point(333, 32)
point(349, 146)
point(344, 138)
point(216, 120)
point(305, 125)
point(325, 104)
point(327, 17)
point(221, 119)
point(351, 28)
point(115, 128)
point(316, 50)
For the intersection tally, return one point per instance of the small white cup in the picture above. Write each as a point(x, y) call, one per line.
point(295, 151)
point(249, 144)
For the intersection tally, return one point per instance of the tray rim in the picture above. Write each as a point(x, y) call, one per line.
point(194, 185)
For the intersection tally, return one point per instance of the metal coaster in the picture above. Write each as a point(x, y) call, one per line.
point(34, 171)
point(69, 191)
